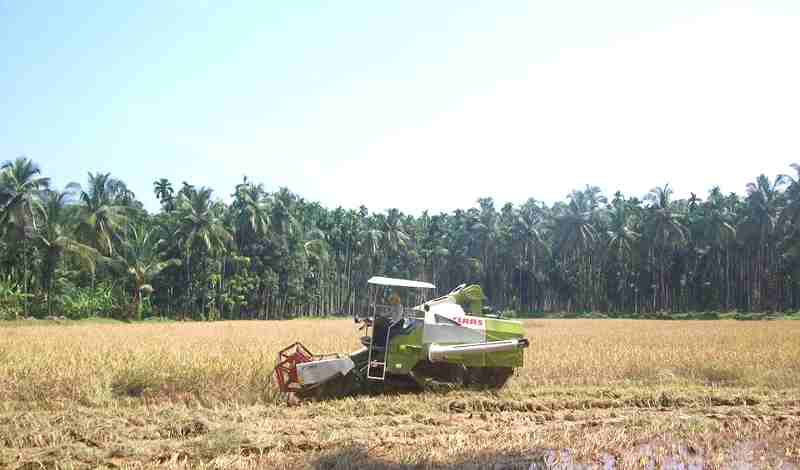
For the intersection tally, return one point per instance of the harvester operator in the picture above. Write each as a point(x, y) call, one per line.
point(397, 307)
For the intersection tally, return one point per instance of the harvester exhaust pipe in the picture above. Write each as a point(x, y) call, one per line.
point(439, 353)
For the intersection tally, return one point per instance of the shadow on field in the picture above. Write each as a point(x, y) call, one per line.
point(355, 457)
point(650, 454)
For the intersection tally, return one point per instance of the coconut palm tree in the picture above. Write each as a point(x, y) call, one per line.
point(200, 232)
point(282, 215)
point(55, 238)
point(622, 238)
point(665, 232)
point(394, 238)
point(576, 239)
point(764, 202)
point(103, 212)
point(20, 190)
point(200, 222)
point(622, 242)
point(140, 258)
point(250, 213)
point(789, 220)
point(316, 250)
point(764, 198)
point(575, 230)
point(432, 242)
point(164, 192)
point(21, 185)
point(717, 233)
point(527, 234)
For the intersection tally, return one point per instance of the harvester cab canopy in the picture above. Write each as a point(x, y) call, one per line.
point(385, 301)
point(388, 281)
point(389, 297)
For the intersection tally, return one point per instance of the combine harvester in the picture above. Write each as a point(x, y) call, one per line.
point(436, 343)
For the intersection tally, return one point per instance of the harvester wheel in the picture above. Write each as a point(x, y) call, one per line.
point(489, 377)
point(440, 376)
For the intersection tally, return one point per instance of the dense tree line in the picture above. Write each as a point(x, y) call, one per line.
point(92, 248)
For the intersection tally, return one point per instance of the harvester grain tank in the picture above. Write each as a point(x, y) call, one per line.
point(446, 340)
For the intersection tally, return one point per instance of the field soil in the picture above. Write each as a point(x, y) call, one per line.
point(593, 394)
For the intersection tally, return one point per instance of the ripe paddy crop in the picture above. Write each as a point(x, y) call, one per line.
point(231, 361)
point(199, 394)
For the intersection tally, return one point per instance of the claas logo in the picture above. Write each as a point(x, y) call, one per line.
point(465, 321)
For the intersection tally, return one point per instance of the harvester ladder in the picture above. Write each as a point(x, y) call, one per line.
point(382, 364)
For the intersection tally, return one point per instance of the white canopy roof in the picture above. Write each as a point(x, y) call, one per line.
point(388, 281)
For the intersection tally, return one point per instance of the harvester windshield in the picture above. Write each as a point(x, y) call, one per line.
point(390, 297)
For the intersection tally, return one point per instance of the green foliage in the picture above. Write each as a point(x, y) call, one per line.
point(272, 254)
point(145, 309)
point(237, 293)
point(84, 302)
point(12, 299)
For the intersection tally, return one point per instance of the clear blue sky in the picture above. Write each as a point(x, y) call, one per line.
point(416, 105)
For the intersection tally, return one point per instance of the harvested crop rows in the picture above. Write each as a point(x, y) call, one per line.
point(620, 393)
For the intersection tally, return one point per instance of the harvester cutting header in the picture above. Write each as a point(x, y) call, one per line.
point(446, 340)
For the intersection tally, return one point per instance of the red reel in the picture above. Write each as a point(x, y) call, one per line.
point(286, 370)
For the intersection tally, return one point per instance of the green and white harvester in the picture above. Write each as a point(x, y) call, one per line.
point(445, 341)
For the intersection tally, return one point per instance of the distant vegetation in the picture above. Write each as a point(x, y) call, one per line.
point(91, 249)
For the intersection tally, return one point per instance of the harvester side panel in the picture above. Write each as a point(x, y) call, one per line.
point(405, 351)
point(445, 334)
point(492, 330)
point(459, 335)
point(499, 330)
point(443, 353)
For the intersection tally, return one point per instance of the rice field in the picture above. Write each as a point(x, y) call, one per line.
point(624, 393)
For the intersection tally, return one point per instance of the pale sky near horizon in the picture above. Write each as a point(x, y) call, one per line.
point(415, 105)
